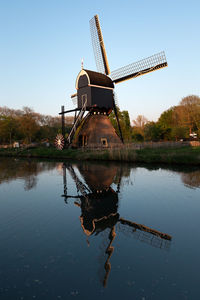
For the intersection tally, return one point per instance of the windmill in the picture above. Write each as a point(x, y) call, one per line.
point(98, 202)
point(95, 94)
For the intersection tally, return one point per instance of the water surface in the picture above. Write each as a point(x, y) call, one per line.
point(98, 230)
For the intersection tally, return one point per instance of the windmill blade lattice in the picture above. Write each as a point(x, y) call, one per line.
point(98, 46)
point(149, 64)
point(145, 237)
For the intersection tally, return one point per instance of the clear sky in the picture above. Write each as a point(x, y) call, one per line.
point(42, 43)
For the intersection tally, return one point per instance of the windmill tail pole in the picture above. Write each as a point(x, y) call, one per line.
point(118, 124)
point(63, 120)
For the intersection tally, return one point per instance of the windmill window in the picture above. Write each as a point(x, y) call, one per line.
point(104, 142)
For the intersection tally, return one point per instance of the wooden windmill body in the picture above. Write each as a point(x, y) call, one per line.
point(95, 90)
point(95, 95)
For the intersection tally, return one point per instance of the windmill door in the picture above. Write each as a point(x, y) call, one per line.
point(82, 140)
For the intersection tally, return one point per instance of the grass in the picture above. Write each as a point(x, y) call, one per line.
point(185, 155)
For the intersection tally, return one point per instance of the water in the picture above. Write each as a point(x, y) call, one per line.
point(60, 243)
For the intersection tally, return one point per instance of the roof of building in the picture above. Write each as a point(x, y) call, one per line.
point(96, 127)
point(95, 78)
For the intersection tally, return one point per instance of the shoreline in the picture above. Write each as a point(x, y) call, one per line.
point(185, 155)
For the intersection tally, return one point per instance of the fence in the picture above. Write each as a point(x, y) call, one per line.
point(163, 144)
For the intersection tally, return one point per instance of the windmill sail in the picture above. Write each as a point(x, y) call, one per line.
point(149, 64)
point(98, 46)
point(151, 237)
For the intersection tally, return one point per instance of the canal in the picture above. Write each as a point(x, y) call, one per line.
point(89, 230)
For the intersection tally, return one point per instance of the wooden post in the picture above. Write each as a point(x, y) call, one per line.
point(63, 120)
point(75, 117)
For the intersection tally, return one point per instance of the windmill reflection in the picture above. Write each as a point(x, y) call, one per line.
point(98, 202)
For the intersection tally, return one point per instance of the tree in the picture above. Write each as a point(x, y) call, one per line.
point(140, 121)
point(8, 129)
point(191, 110)
point(124, 121)
point(28, 124)
point(138, 128)
point(179, 133)
point(136, 136)
point(180, 120)
point(153, 131)
point(166, 119)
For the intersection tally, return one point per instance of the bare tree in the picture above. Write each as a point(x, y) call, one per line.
point(140, 121)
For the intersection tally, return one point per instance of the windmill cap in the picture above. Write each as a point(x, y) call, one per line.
point(95, 78)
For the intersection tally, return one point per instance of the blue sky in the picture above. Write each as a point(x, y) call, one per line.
point(42, 44)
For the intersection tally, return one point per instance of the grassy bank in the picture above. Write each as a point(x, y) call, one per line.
point(184, 155)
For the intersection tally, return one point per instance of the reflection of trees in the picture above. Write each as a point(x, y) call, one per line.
point(190, 176)
point(192, 179)
point(123, 174)
point(30, 182)
point(28, 170)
